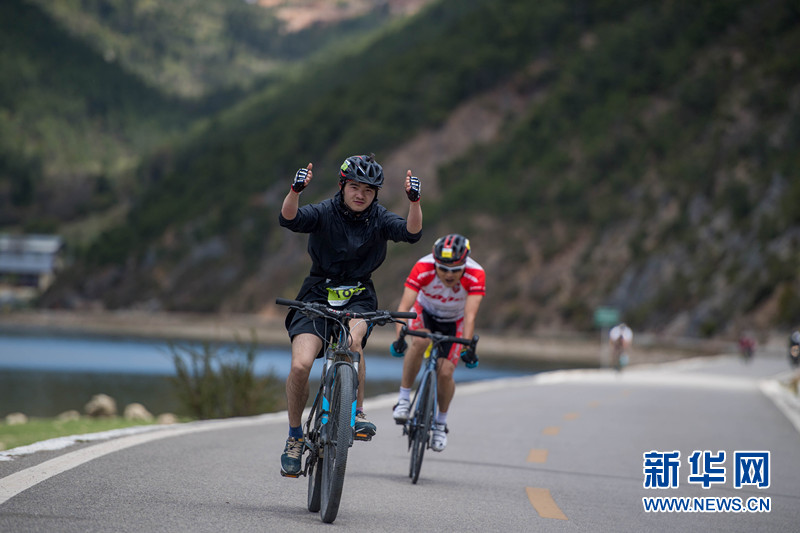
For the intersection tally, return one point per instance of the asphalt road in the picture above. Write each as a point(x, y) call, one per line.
point(556, 452)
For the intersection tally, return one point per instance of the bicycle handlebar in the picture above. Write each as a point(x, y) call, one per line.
point(439, 337)
point(323, 310)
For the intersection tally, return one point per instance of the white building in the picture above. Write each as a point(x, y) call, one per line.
point(28, 264)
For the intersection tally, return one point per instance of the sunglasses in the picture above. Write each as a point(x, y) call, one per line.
point(451, 269)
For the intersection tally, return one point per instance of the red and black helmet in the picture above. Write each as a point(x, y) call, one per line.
point(363, 169)
point(451, 250)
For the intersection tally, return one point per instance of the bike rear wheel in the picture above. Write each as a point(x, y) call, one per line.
point(422, 422)
point(339, 437)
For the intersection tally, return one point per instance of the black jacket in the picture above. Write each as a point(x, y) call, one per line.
point(345, 247)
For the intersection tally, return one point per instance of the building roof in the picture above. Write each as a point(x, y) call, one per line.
point(29, 254)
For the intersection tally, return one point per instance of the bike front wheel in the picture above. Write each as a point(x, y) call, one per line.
point(339, 437)
point(315, 486)
point(421, 424)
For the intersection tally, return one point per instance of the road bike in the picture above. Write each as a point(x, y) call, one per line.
point(329, 430)
point(419, 425)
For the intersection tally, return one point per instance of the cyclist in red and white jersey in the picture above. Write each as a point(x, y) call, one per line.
point(445, 288)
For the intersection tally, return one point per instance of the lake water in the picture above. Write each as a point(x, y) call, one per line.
point(46, 375)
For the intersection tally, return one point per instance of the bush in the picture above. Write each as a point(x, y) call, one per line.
point(220, 381)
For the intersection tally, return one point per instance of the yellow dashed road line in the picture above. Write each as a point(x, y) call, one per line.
point(544, 504)
point(537, 456)
point(540, 498)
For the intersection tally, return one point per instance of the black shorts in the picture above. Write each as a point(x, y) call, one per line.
point(433, 324)
point(297, 323)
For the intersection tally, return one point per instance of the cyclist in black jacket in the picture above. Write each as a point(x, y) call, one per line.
point(347, 242)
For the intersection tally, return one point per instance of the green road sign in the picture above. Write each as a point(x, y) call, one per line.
point(605, 317)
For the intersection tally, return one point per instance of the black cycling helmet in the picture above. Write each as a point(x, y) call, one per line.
point(363, 169)
point(451, 250)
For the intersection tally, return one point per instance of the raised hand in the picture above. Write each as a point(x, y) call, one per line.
point(413, 187)
point(302, 178)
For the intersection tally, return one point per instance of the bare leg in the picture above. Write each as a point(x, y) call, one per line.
point(413, 360)
point(305, 347)
point(447, 385)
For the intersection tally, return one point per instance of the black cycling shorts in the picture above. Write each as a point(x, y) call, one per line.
point(297, 322)
point(435, 325)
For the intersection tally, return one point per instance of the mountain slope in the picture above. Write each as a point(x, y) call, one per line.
point(196, 48)
point(70, 122)
point(664, 155)
point(644, 160)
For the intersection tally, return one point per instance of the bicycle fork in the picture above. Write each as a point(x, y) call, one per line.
point(331, 364)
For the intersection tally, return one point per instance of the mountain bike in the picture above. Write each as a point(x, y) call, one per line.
point(329, 430)
point(419, 425)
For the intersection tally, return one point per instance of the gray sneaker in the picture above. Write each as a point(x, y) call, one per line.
point(291, 458)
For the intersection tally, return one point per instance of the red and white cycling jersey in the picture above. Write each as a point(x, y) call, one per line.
point(446, 304)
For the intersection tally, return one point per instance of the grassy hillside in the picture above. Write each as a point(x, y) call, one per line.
point(70, 122)
point(652, 168)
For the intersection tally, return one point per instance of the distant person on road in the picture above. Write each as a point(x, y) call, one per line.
point(347, 242)
point(620, 339)
point(445, 288)
point(747, 346)
point(794, 348)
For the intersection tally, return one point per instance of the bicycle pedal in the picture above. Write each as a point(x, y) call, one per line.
point(284, 474)
point(363, 436)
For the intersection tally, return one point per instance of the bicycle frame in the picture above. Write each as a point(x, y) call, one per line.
point(430, 371)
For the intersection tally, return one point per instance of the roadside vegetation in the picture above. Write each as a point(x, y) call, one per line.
point(220, 381)
point(39, 429)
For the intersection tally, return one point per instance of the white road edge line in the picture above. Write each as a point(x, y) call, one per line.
point(17, 482)
point(785, 401)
